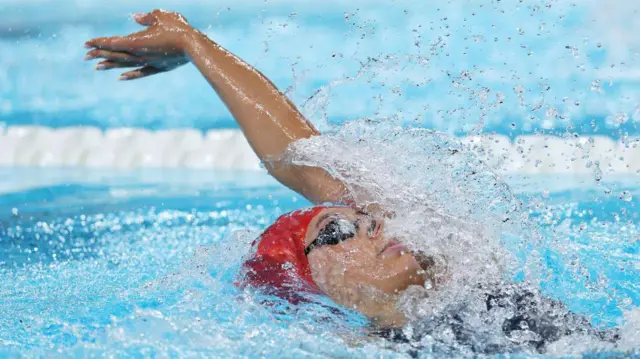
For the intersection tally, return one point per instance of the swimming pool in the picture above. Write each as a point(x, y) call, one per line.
point(514, 68)
point(125, 213)
point(143, 264)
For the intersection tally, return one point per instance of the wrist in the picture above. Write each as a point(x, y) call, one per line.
point(191, 40)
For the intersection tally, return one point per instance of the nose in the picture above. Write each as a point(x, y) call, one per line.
point(370, 228)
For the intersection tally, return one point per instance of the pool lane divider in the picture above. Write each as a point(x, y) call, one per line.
point(133, 148)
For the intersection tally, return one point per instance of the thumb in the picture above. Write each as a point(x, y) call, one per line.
point(145, 19)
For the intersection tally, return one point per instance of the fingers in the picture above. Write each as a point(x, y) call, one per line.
point(140, 73)
point(143, 19)
point(116, 43)
point(108, 65)
point(129, 43)
point(115, 56)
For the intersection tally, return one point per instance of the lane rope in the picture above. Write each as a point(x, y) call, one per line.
point(134, 148)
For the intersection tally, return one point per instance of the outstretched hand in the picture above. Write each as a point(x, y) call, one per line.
point(158, 48)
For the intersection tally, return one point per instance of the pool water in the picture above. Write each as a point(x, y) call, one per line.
point(144, 264)
point(512, 68)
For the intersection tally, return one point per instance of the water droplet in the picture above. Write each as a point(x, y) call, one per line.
point(428, 284)
point(597, 174)
point(626, 196)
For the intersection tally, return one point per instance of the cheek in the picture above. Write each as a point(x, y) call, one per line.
point(391, 275)
point(327, 271)
point(359, 250)
point(342, 266)
point(342, 269)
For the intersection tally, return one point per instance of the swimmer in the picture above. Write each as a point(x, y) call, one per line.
point(338, 250)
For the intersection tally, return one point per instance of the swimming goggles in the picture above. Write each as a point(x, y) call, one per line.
point(335, 232)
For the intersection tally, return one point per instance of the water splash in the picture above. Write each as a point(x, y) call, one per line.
point(446, 201)
point(449, 203)
point(147, 281)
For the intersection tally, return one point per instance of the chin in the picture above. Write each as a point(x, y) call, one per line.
point(407, 275)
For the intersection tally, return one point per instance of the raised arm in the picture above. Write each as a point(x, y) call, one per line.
point(268, 119)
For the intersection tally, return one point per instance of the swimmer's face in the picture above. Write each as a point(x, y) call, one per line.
point(364, 260)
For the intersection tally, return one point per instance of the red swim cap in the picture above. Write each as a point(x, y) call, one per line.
point(279, 263)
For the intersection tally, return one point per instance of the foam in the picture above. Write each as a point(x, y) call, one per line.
point(133, 148)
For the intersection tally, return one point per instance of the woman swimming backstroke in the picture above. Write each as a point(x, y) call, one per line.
point(339, 250)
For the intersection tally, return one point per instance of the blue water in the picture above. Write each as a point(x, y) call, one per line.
point(463, 66)
point(143, 264)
